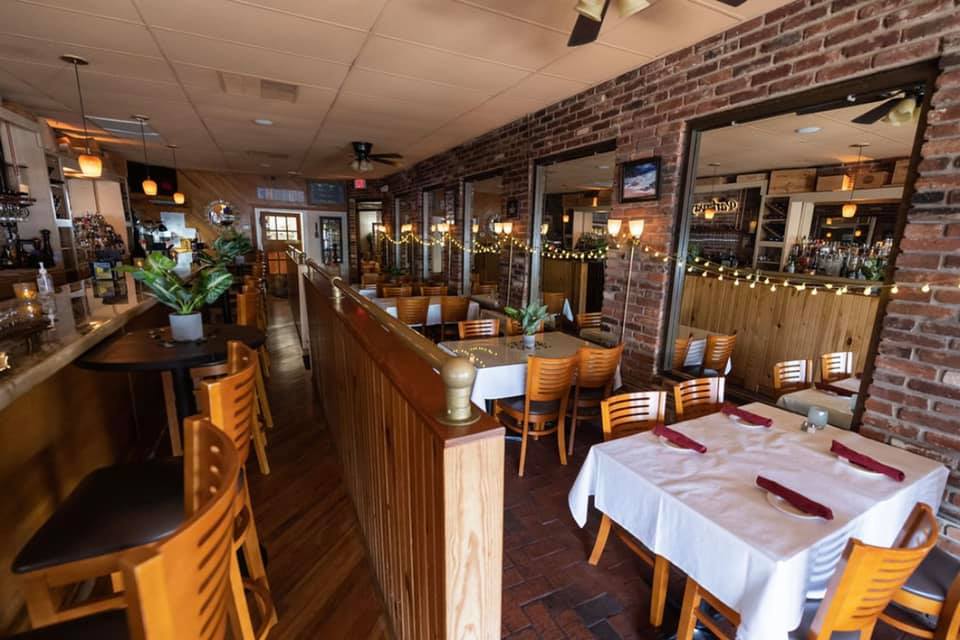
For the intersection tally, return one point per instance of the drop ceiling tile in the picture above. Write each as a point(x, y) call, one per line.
point(545, 89)
point(549, 13)
point(105, 8)
point(406, 58)
point(242, 23)
point(746, 10)
point(250, 61)
point(398, 113)
point(472, 31)
point(595, 63)
point(245, 118)
point(373, 83)
point(505, 109)
point(360, 15)
point(312, 103)
point(77, 28)
point(666, 26)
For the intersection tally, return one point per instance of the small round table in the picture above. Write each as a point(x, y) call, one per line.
point(153, 350)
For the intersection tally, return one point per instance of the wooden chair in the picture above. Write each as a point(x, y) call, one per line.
point(681, 347)
point(792, 375)
point(413, 311)
point(180, 587)
point(547, 391)
point(397, 292)
point(596, 369)
point(865, 581)
point(484, 328)
point(368, 280)
point(697, 397)
point(432, 290)
point(453, 310)
point(928, 605)
point(554, 301)
point(589, 320)
point(247, 316)
point(514, 328)
point(836, 366)
point(484, 289)
point(717, 354)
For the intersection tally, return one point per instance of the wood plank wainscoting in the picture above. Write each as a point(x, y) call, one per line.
point(782, 325)
point(429, 498)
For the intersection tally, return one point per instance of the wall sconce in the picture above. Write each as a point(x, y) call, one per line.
point(475, 227)
point(508, 228)
point(636, 230)
point(544, 228)
point(636, 227)
point(498, 228)
point(614, 225)
point(566, 218)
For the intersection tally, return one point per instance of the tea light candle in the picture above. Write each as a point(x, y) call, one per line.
point(817, 416)
point(25, 290)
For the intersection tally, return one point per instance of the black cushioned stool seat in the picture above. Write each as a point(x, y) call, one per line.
point(112, 509)
point(536, 406)
point(109, 625)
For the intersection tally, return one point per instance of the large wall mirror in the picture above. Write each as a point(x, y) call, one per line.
point(433, 234)
point(483, 203)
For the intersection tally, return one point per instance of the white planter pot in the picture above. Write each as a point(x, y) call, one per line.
point(186, 328)
point(529, 342)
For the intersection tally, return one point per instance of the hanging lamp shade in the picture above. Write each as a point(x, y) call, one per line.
point(544, 228)
point(508, 228)
point(849, 210)
point(149, 187)
point(91, 166)
point(630, 7)
point(592, 9)
point(179, 198)
point(475, 228)
point(614, 225)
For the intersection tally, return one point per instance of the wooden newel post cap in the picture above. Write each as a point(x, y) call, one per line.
point(458, 375)
point(334, 281)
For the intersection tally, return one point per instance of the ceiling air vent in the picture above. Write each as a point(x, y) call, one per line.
point(266, 155)
point(272, 90)
point(123, 128)
point(234, 84)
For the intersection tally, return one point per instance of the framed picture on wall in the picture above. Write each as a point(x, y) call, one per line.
point(326, 192)
point(640, 180)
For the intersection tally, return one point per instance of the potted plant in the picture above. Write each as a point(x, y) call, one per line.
point(529, 318)
point(228, 247)
point(185, 299)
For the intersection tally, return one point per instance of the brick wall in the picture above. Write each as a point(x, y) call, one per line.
point(915, 398)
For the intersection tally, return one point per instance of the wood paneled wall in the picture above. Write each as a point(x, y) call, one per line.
point(429, 498)
point(773, 326)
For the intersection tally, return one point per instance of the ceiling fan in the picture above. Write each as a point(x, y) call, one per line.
point(898, 106)
point(592, 13)
point(363, 160)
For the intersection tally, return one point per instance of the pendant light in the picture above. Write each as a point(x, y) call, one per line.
point(850, 208)
point(178, 198)
point(630, 7)
point(592, 9)
point(149, 186)
point(90, 165)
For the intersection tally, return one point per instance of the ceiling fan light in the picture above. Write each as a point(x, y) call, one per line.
point(849, 210)
point(149, 187)
point(592, 9)
point(91, 166)
point(179, 198)
point(630, 7)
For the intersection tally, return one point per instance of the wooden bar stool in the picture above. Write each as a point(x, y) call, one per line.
point(861, 587)
point(681, 347)
point(792, 375)
point(180, 587)
point(589, 320)
point(397, 292)
point(484, 289)
point(432, 290)
point(453, 310)
point(717, 354)
point(548, 388)
point(483, 328)
point(413, 312)
point(836, 366)
point(554, 301)
point(928, 605)
point(514, 328)
point(596, 369)
point(697, 397)
point(246, 315)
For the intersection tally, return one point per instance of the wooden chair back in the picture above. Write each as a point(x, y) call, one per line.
point(368, 279)
point(549, 379)
point(868, 577)
point(413, 310)
point(180, 588)
point(590, 320)
point(596, 368)
point(484, 289)
point(717, 353)
point(554, 301)
point(432, 290)
point(705, 394)
point(397, 292)
point(792, 374)
point(631, 413)
point(229, 401)
point(681, 347)
point(484, 328)
point(248, 308)
point(454, 308)
point(514, 328)
point(256, 270)
point(836, 366)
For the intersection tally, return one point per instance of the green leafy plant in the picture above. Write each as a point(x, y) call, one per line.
point(529, 316)
point(228, 246)
point(872, 269)
point(592, 242)
point(170, 289)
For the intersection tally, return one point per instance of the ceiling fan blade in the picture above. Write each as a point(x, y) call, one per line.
point(392, 163)
point(825, 106)
point(877, 112)
point(732, 3)
point(395, 156)
point(586, 30)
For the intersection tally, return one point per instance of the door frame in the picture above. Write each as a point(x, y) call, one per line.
point(256, 221)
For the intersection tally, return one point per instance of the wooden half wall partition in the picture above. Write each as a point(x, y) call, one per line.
point(429, 497)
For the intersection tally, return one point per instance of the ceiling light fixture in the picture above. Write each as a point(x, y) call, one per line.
point(90, 165)
point(592, 9)
point(148, 185)
point(263, 122)
point(808, 130)
point(178, 197)
point(850, 208)
point(630, 7)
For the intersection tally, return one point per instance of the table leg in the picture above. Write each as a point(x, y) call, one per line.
point(170, 404)
point(226, 307)
point(183, 392)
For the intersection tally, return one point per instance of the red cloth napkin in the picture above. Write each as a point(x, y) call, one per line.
point(865, 461)
point(678, 438)
point(829, 388)
point(745, 415)
point(799, 501)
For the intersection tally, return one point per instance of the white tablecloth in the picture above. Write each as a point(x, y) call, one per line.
point(839, 408)
point(705, 515)
point(433, 312)
point(366, 292)
point(502, 362)
point(698, 345)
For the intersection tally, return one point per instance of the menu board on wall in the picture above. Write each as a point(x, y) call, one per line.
point(326, 193)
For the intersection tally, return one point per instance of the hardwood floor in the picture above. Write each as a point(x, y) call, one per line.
point(323, 585)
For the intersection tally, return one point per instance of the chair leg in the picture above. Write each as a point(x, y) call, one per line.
point(41, 608)
point(264, 361)
point(658, 596)
point(260, 446)
point(688, 620)
point(170, 406)
point(116, 581)
point(523, 447)
point(605, 525)
point(561, 439)
point(240, 622)
point(573, 428)
point(263, 400)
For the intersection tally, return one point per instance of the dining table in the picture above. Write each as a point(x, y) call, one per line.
point(501, 362)
point(705, 514)
point(433, 312)
point(839, 407)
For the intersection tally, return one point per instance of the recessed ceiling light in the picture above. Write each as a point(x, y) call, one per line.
point(263, 122)
point(808, 130)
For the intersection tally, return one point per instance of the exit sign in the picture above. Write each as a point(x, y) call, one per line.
point(359, 183)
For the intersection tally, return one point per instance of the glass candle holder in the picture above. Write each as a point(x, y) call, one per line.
point(25, 290)
point(817, 416)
